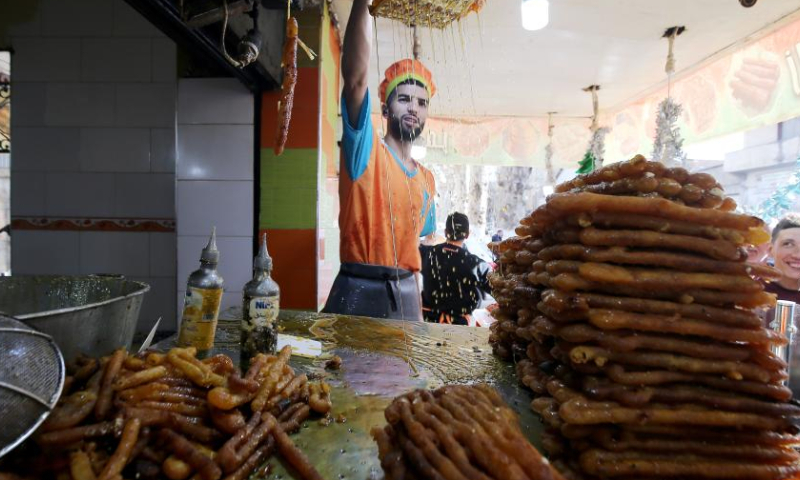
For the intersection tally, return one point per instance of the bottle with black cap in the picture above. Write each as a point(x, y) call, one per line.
point(260, 308)
point(202, 301)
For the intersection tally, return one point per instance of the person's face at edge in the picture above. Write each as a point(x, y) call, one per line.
point(786, 252)
point(407, 112)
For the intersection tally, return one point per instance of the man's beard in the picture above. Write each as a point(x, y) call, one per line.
point(400, 131)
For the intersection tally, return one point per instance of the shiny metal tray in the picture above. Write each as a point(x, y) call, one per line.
point(374, 371)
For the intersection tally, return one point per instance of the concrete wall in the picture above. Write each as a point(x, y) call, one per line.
point(93, 145)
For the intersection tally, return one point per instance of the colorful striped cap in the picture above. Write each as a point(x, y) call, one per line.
point(406, 69)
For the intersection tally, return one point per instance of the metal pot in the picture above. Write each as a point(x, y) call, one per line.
point(92, 314)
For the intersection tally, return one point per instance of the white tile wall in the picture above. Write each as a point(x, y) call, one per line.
point(53, 149)
point(57, 59)
point(32, 96)
point(79, 104)
point(163, 255)
point(162, 150)
point(79, 194)
point(215, 180)
point(221, 152)
point(226, 204)
point(145, 105)
point(144, 195)
point(214, 101)
point(115, 60)
point(95, 124)
point(35, 252)
point(28, 193)
point(115, 149)
point(126, 253)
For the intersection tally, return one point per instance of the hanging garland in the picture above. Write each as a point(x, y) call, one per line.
point(668, 144)
point(593, 158)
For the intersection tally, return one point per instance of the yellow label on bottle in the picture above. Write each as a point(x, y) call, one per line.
point(263, 311)
point(199, 320)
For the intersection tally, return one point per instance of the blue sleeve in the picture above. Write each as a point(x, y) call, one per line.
point(430, 219)
point(357, 141)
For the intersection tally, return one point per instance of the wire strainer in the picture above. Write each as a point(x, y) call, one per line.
point(31, 378)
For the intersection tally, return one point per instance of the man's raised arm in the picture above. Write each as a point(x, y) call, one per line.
point(355, 58)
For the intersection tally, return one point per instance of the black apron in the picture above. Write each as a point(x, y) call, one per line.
point(374, 291)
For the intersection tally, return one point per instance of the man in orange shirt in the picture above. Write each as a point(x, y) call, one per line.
point(386, 198)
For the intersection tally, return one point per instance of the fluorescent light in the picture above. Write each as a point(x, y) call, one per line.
point(535, 14)
point(548, 190)
point(419, 149)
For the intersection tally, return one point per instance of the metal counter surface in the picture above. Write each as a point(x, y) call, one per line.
point(373, 372)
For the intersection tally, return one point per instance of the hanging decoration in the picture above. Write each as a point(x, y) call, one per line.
point(548, 151)
point(668, 144)
point(593, 158)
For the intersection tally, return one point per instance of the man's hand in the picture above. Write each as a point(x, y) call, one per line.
point(355, 58)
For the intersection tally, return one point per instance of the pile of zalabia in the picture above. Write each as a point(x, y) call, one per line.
point(456, 433)
point(628, 304)
point(174, 416)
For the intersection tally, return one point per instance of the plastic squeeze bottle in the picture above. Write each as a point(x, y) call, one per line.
point(261, 304)
point(202, 300)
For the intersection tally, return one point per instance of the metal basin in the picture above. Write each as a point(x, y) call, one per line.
point(91, 314)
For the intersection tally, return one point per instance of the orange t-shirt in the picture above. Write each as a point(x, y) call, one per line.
point(384, 208)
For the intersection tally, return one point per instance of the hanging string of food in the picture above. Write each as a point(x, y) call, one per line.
point(289, 65)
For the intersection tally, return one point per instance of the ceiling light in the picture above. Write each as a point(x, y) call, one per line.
point(535, 14)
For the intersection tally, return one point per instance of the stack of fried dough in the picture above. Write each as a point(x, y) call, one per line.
point(644, 347)
point(172, 415)
point(456, 433)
